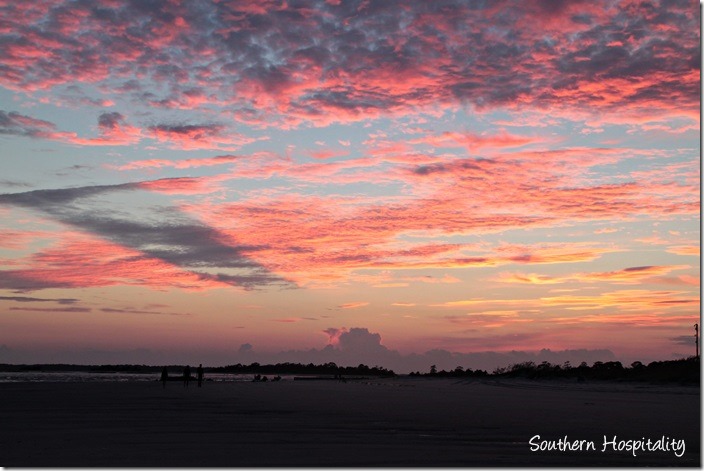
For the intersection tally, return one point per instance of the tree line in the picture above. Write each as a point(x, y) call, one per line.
point(686, 370)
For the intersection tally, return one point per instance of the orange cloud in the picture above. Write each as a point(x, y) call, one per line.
point(353, 305)
point(635, 320)
point(632, 275)
point(625, 300)
point(490, 319)
point(485, 303)
point(685, 250)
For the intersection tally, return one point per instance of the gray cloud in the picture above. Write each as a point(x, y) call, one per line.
point(164, 233)
point(111, 120)
point(14, 184)
point(195, 131)
point(52, 309)
point(26, 299)
point(17, 124)
point(140, 312)
point(19, 282)
point(683, 340)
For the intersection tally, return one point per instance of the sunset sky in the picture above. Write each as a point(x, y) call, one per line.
point(399, 183)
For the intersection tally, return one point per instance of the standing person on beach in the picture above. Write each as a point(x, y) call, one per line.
point(186, 375)
point(164, 376)
point(200, 375)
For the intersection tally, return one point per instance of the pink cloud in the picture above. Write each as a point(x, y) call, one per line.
point(605, 59)
point(82, 261)
point(16, 239)
point(328, 154)
point(306, 235)
point(321, 233)
point(178, 164)
point(475, 142)
point(182, 186)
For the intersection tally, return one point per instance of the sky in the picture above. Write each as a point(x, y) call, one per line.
point(367, 181)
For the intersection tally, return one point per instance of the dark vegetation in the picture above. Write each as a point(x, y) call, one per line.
point(686, 371)
point(678, 371)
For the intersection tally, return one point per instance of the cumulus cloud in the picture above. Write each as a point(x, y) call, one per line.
point(245, 348)
point(360, 340)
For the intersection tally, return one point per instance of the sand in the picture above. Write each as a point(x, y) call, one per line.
point(390, 422)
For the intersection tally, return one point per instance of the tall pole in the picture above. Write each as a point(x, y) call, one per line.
point(696, 338)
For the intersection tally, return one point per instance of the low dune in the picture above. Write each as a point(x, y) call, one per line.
point(374, 422)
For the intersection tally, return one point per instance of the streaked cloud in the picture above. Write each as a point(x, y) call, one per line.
point(630, 275)
point(178, 164)
point(353, 305)
point(177, 240)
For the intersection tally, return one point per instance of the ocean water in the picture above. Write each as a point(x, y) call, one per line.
point(86, 376)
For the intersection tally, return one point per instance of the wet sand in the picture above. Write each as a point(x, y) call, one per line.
point(390, 422)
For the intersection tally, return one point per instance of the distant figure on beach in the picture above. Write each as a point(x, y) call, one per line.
point(200, 375)
point(186, 376)
point(164, 376)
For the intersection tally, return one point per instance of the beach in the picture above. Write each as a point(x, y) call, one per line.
point(370, 422)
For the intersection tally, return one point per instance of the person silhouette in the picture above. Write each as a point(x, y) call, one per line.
point(186, 376)
point(164, 376)
point(200, 375)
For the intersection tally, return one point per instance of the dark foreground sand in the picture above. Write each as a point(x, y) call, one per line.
point(391, 422)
